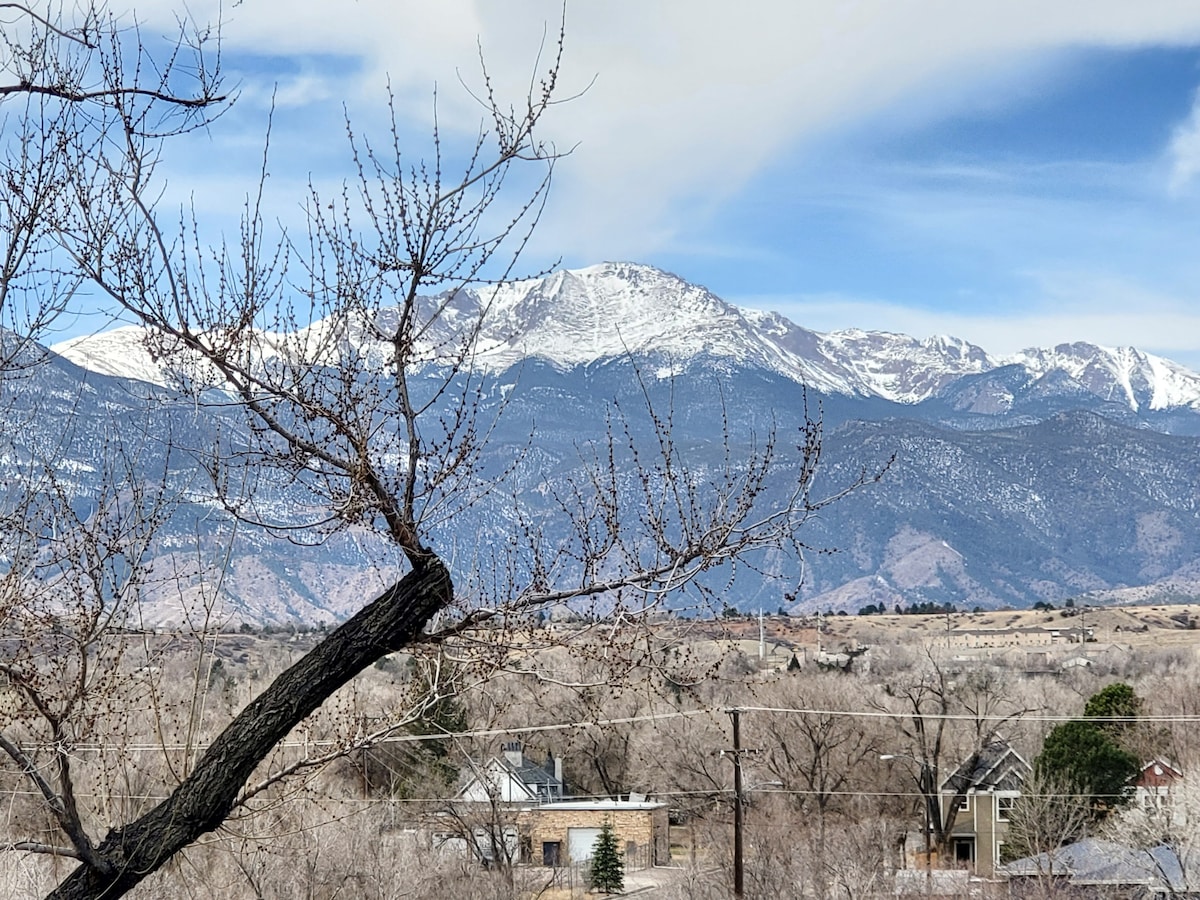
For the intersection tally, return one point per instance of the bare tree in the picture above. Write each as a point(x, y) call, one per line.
point(348, 352)
point(71, 579)
point(75, 84)
point(1048, 814)
point(1164, 826)
point(486, 831)
point(926, 705)
point(819, 752)
point(75, 558)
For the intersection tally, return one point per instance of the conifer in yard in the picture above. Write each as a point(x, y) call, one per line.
point(608, 869)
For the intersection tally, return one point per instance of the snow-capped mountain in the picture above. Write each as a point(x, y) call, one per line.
point(1123, 375)
point(606, 312)
point(1055, 472)
point(617, 310)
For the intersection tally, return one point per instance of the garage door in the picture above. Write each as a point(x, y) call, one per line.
point(580, 842)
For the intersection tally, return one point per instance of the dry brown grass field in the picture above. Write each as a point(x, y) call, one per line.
point(1136, 627)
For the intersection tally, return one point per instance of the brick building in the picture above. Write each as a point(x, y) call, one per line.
point(566, 831)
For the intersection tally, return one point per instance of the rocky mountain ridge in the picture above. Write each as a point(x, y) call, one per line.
point(1062, 472)
point(615, 310)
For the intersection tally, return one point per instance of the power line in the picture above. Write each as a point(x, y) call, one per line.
point(329, 743)
point(713, 712)
point(966, 717)
point(679, 794)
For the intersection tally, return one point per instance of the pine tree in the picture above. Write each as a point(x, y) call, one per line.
point(608, 869)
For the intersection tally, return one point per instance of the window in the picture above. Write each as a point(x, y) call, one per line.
point(1004, 808)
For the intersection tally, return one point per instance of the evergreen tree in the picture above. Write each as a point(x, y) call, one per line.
point(1084, 757)
point(1115, 702)
point(608, 868)
point(1087, 755)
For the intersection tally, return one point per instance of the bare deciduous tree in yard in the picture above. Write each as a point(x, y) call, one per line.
point(1048, 814)
point(72, 85)
point(392, 439)
point(820, 753)
point(946, 722)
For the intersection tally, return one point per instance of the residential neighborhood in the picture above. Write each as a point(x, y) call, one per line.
point(563, 450)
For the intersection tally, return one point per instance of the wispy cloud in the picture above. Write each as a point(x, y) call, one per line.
point(731, 140)
point(1184, 150)
point(1107, 312)
point(691, 99)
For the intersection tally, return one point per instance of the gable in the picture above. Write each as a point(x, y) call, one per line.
point(496, 782)
point(996, 767)
point(515, 780)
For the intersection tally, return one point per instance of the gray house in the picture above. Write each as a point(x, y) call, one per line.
point(987, 785)
point(512, 777)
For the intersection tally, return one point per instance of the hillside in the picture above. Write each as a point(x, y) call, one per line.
point(1064, 471)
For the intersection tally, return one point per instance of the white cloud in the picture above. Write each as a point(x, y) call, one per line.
point(1103, 311)
point(1184, 150)
point(692, 97)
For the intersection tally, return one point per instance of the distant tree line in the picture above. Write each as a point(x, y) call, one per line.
point(926, 608)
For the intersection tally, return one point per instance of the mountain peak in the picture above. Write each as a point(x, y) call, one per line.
point(612, 310)
point(1126, 375)
point(574, 317)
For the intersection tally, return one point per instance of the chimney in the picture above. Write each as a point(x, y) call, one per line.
point(512, 753)
point(553, 766)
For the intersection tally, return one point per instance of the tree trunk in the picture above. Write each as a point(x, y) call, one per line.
point(204, 799)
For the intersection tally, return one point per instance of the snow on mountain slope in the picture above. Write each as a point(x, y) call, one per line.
point(575, 317)
point(1125, 375)
point(121, 352)
point(901, 368)
point(614, 310)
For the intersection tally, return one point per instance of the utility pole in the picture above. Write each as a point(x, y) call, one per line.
point(739, 805)
point(739, 809)
point(927, 790)
point(927, 784)
point(739, 801)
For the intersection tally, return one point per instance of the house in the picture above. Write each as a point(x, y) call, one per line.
point(515, 808)
point(1102, 869)
point(986, 787)
point(512, 777)
point(1163, 804)
point(1019, 637)
point(1152, 786)
point(566, 831)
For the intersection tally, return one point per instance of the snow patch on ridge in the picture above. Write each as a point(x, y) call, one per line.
point(613, 310)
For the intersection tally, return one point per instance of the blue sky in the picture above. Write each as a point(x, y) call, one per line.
point(1013, 173)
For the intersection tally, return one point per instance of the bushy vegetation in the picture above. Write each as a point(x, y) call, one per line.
point(657, 721)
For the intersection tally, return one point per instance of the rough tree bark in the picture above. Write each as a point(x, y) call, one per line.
point(202, 802)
